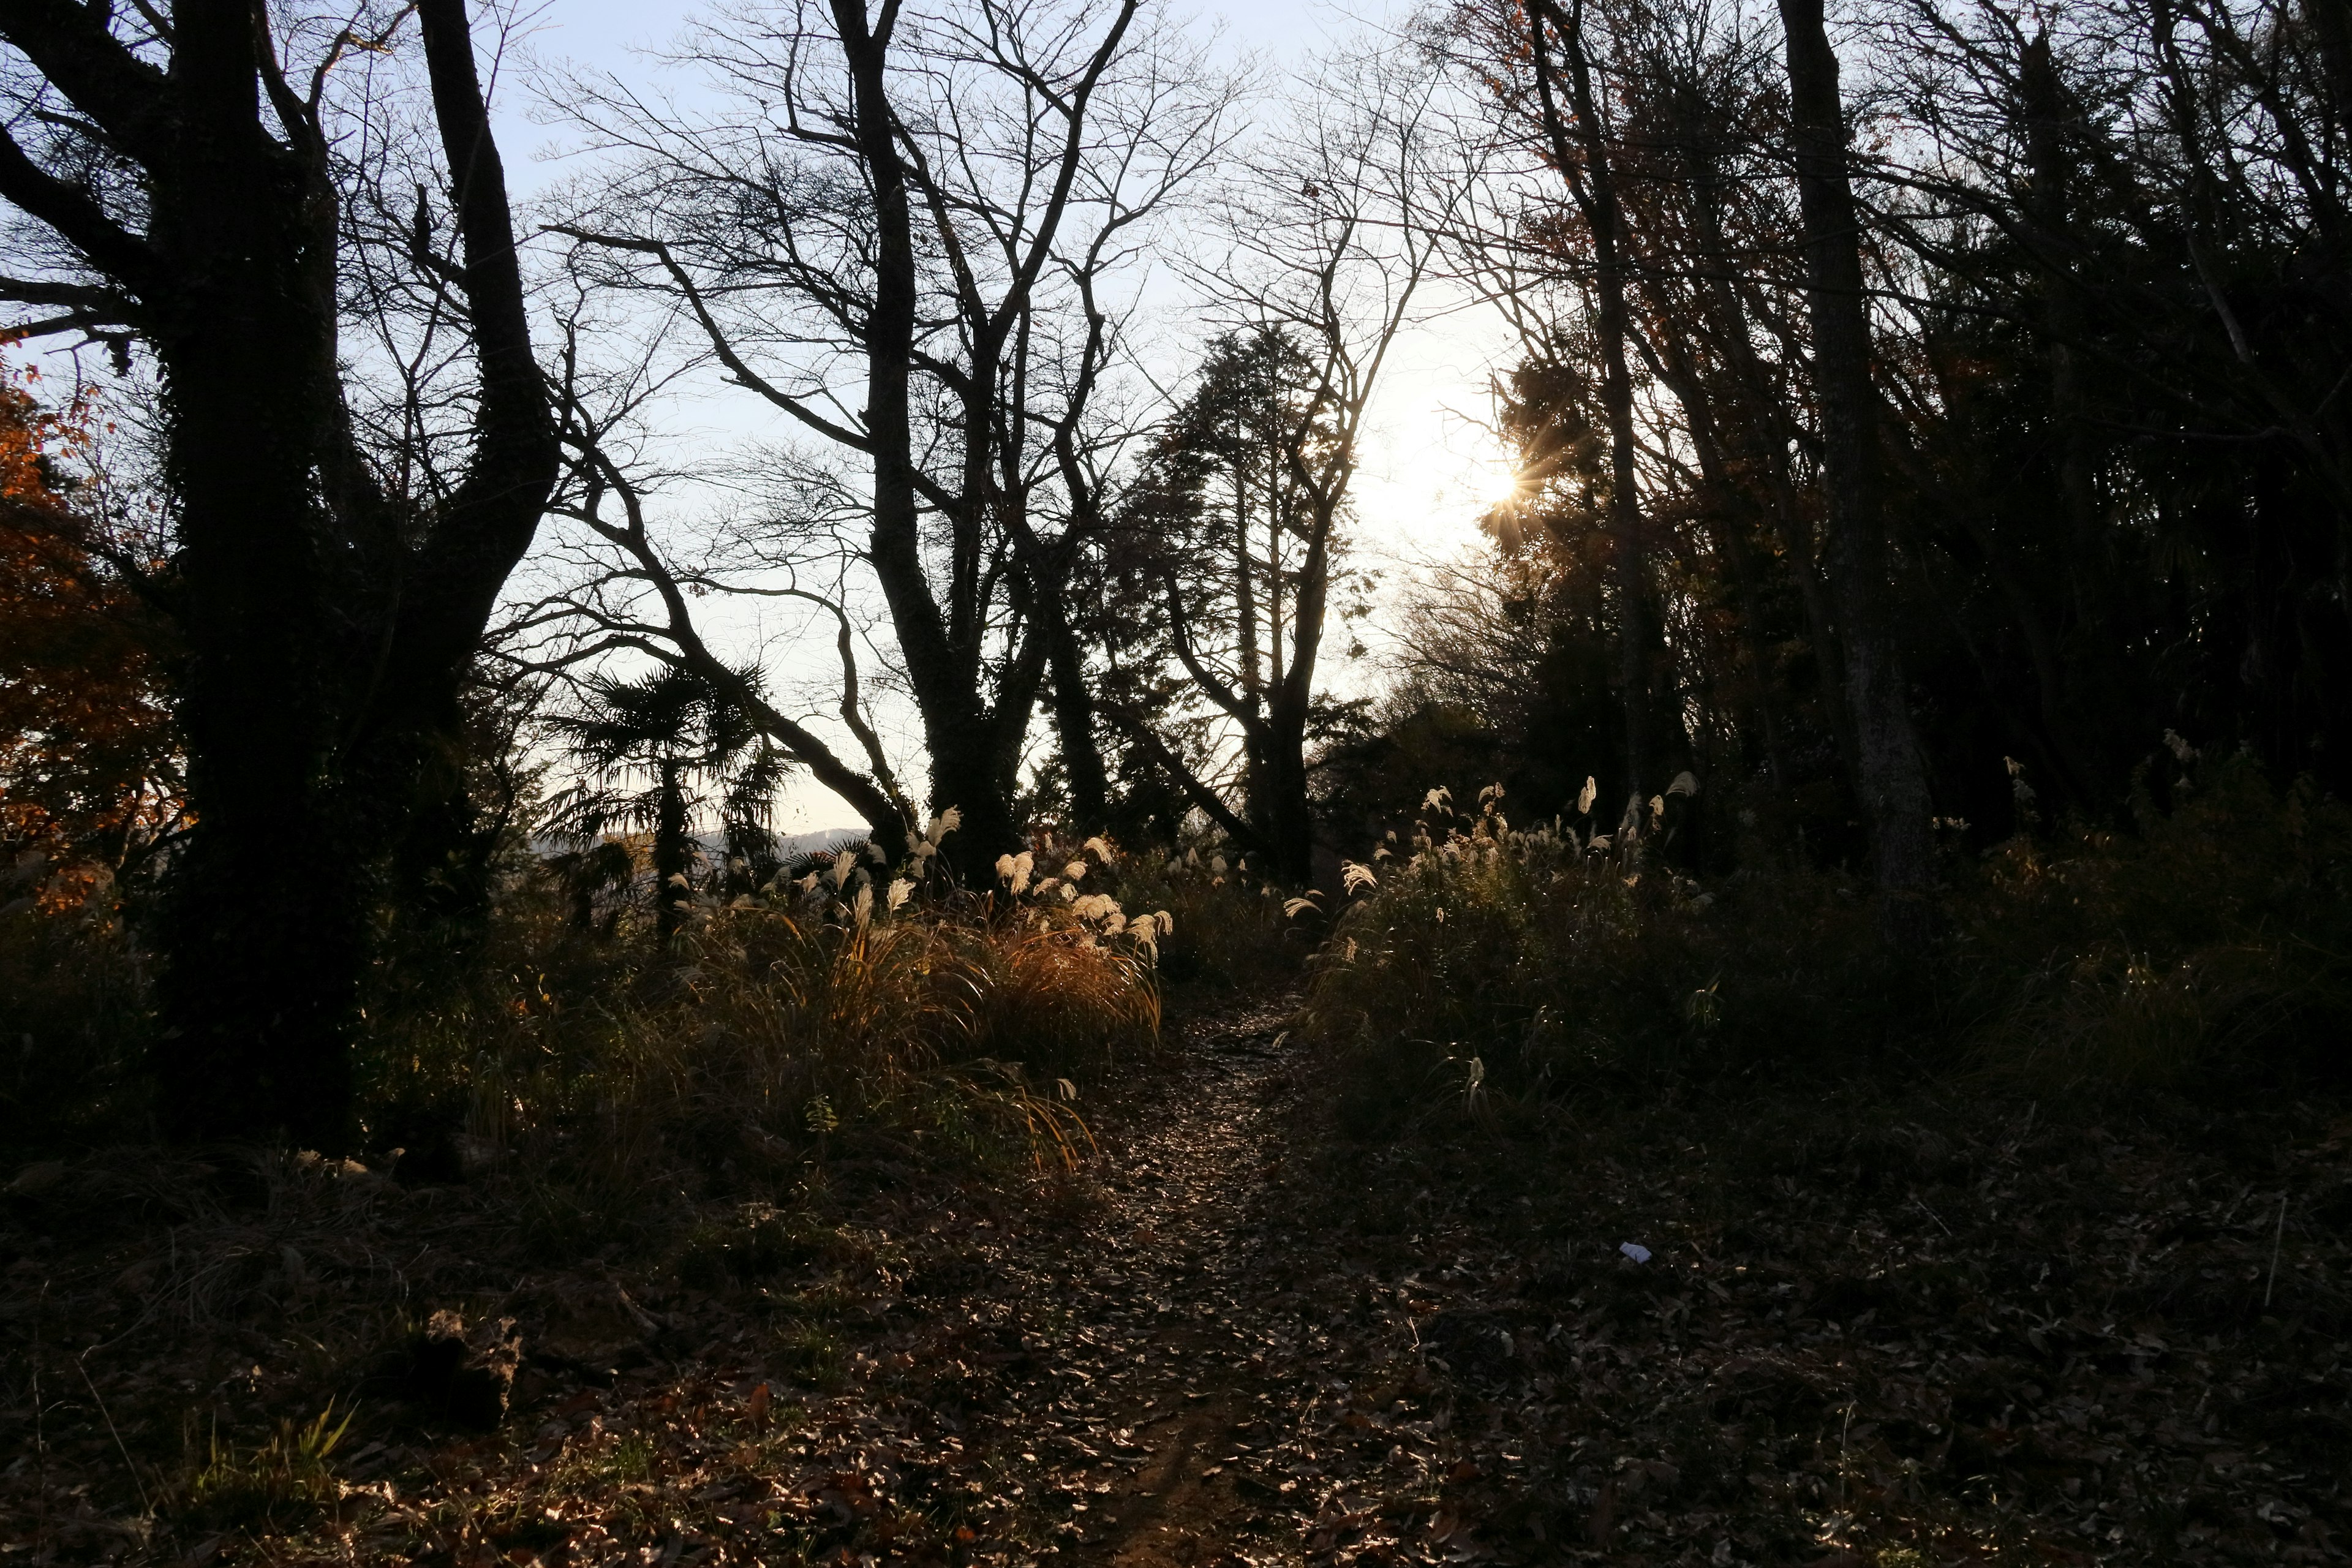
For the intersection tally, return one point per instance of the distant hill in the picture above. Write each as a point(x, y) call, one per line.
point(791, 847)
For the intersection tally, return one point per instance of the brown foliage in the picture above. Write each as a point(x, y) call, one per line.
point(87, 748)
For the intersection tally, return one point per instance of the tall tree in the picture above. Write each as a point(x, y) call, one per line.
point(2073, 468)
point(1332, 233)
point(192, 187)
point(900, 233)
point(1579, 139)
point(1890, 773)
point(1206, 570)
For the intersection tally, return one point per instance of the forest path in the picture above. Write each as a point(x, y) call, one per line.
point(1181, 1355)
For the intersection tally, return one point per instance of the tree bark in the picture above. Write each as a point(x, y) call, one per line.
point(1289, 811)
point(329, 633)
point(1890, 776)
point(262, 935)
point(1640, 650)
point(672, 850)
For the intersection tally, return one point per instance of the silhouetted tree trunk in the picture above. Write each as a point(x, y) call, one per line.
point(1074, 725)
point(1587, 166)
point(955, 725)
point(2081, 675)
point(1890, 776)
point(329, 631)
point(673, 848)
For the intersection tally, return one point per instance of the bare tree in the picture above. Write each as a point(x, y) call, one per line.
point(1577, 126)
point(904, 233)
point(1600, 231)
point(189, 178)
point(1332, 237)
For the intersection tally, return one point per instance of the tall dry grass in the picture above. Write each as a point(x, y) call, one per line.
point(1480, 965)
point(847, 1013)
point(1233, 931)
point(848, 1005)
point(1484, 966)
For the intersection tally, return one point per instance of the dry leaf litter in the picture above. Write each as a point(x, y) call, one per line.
point(1884, 1332)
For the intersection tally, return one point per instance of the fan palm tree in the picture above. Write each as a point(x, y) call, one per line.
point(656, 752)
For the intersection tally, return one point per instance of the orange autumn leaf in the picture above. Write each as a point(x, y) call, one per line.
point(88, 756)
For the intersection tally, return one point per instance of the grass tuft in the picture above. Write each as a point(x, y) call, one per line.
point(281, 1485)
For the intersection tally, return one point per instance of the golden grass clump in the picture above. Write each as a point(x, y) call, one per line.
point(854, 1009)
point(1482, 962)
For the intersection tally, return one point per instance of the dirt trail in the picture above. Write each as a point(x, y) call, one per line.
point(1159, 1359)
point(1923, 1331)
point(1178, 1354)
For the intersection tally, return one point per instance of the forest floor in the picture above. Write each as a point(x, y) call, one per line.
point(1899, 1328)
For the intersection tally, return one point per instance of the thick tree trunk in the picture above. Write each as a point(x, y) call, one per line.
point(262, 941)
point(2082, 679)
point(325, 643)
point(262, 934)
point(1641, 650)
point(1890, 776)
point(1289, 813)
point(2043, 101)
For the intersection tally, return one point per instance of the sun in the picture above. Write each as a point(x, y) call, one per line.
point(1499, 485)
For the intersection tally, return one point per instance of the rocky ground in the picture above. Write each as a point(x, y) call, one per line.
point(1893, 1328)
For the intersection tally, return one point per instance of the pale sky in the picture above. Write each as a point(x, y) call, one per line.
point(1429, 468)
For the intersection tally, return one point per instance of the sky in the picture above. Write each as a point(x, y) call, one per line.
point(1429, 468)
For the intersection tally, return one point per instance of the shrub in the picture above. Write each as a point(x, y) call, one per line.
point(73, 1018)
point(845, 1013)
point(1497, 965)
point(849, 1009)
point(2212, 940)
point(1491, 966)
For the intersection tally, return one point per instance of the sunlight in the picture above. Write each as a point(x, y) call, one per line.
point(1432, 465)
point(1499, 485)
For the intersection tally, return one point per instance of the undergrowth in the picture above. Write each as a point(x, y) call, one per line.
point(845, 1005)
point(1484, 966)
point(73, 1012)
point(853, 1009)
point(566, 1120)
